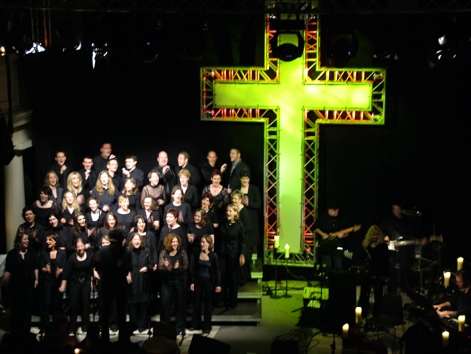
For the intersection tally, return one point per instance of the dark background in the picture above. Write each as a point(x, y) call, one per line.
point(143, 103)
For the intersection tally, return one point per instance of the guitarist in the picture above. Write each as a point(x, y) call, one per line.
point(330, 232)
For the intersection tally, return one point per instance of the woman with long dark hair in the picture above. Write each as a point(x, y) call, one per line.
point(77, 280)
point(51, 266)
point(44, 206)
point(205, 281)
point(21, 277)
point(173, 266)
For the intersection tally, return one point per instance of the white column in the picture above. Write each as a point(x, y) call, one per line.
point(14, 176)
point(14, 198)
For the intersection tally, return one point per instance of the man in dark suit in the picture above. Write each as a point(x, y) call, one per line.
point(237, 169)
point(88, 174)
point(183, 160)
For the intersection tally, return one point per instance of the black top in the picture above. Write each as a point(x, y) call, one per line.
point(125, 220)
point(113, 263)
point(134, 201)
point(150, 217)
point(195, 178)
point(197, 232)
point(191, 196)
point(104, 198)
point(461, 302)
point(233, 239)
point(205, 269)
point(397, 228)
point(149, 244)
point(62, 176)
point(138, 290)
point(180, 231)
point(99, 164)
point(207, 171)
point(42, 214)
point(138, 176)
point(45, 278)
point(35, 234)
point(22, 269)
point(88, 180)
point(329, 224)
point(169, 272)
point(253, 216)
point(77, 271)
point(168, 180)
point(184, 212)
point(95, 220)
point(235, 171)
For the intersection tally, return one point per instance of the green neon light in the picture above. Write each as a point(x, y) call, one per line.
point(292, 96)
point(280, 94)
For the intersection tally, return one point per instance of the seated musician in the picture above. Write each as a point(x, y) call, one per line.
point(330, 231)
point(377, 261)
point(459, 302)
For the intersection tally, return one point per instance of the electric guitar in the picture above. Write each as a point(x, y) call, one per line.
point(330, 241)
point(344, 232)
point(395, 245)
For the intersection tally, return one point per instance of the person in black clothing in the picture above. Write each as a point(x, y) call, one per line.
point(110, 223)
point(105, 192)
point(232, 254)
point(21, 277)
point(138, 284)
point(95, 219)
point(75, 185)
point(190, 193)
point(113, 265)
point(459, 303)
point(124, 214)
point(183, 162)
point(81, 230)
point(209, 166)
point(397, 227)
point(60, 168)
point(89, 175)
point(154, 189)
point(237, 169)
point(33, 229)
point(376, 260)
point(148, 239)
point(70, 209)
point(51, 266)
point(177, 203)
point(209, 214)
point(173, 227)
point(52, 181)
point(151, 214)
point(166, 174)
point(197, 229)
point(173, 265)
point(77, 280)
point(205, 280)
point(332, 229)
point(252, 201)
point(44, 206)
point(131, 171)
point(65, 237)
point(220, 195)
point(113, 171)
point(131, 191)
point(100, 161)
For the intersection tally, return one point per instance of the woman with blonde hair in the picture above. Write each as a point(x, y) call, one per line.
point(131, 191)
point(104, 192)
point(233, 248)
point(74, 185)
point(70, 208)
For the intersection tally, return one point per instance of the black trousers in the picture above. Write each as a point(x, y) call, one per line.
point(138, 313)
point(20, 312)
point(50, 301)
point(375, 283)
point(202, 302)
point(79, 294)
point(172, 294)
point(112, 298)
point(231, 279)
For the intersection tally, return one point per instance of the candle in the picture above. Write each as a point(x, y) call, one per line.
point(446, 279)
point(459, 263)
point(345, 329)
point(445, 338)
point(461, 321)
point(357, 314)
point(277, 241)
point(77, 351)
point(286, 251)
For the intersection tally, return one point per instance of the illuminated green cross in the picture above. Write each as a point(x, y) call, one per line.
point(291, 94)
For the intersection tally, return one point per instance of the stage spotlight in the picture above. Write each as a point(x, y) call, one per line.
point(288, 51)
point(36, 48)
point(442, 40)
point(78, 46)
point(3, 51)
point(99, 53)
